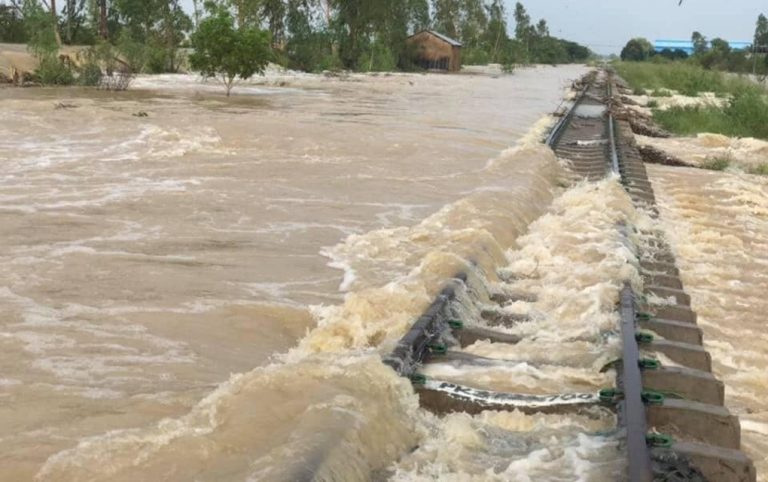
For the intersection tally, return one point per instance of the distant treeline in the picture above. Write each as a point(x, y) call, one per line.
point(311, 35)
point(716, 54)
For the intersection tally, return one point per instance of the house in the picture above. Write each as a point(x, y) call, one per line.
point(435, 51)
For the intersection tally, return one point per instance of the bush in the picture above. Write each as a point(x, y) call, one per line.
point(377, 58)
point(90, 74)
point(652, 104)
point(53, 71)
point(133, 53)
point(475, 56)
point(761, 170)
point(716, 163)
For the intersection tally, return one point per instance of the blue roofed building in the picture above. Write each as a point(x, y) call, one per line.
point(687, 45)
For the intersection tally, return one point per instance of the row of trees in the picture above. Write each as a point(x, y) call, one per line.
point(312, 35)
point(715, 54)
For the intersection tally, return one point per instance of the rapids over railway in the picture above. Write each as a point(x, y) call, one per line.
point(479, 347)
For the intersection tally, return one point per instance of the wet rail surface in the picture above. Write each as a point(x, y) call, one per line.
point(672, 421)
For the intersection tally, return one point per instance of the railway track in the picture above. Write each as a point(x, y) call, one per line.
point(671, 419)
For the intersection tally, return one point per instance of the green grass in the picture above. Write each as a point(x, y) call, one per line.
point(685, 78)
point(661, 93)
point(717, 163)
point(745, 115)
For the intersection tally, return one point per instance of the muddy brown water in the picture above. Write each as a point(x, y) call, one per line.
point(204, 292)
point(717, 223)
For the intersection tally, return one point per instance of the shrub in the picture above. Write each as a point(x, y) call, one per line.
point(475, 56)
point(377, 58)
point(132, 52)
point(716, 163)
point(653, 104)
point(53, 71)
point(761, 169)
point(90, 74)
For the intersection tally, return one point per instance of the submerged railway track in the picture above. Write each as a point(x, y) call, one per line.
point(671, 420)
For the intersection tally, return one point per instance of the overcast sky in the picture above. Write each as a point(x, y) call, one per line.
point(606, 25)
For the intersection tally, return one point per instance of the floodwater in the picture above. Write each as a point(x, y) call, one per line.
point(200, 288)
point(718, 227)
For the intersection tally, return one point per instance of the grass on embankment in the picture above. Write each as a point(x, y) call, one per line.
point(686, 79)
point(744, 115)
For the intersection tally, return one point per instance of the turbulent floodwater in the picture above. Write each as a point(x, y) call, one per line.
point(152, 266)
point(718, 227)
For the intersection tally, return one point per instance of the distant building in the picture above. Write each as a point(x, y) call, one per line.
point(435, 51)
point(687, 45)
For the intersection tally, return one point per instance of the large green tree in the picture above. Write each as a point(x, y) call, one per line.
point(447, 16)
point(523, 28)
point(637, 49)
point(700, 45)
point(761, 32)
point(226, 52)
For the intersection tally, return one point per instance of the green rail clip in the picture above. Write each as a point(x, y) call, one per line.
point(649, 364)
point(438, 349)
point(643, 316)
point(644, 338)
point(651, 397)
point(610, 395)
point(456, 324)
point(418, 379)
point(659, 440)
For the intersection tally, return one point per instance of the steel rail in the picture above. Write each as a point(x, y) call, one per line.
point(554, 135)
point(614, 152)
point(629, 379)
point(632, 408)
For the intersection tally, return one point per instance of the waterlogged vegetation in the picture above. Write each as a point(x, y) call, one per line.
point(716, 163)
point(684, 78)
point(744, 114)
point(155, 36)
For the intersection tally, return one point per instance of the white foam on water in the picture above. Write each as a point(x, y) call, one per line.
point(329, 405)
point(717, 225)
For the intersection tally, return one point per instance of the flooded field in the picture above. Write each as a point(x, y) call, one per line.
point(196, 287)
point(718, 227)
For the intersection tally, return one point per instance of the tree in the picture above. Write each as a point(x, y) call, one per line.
point(225, 52)
point(699, 43)
point(11, 25)
point(103, 25)
point(497, 41)
point(472, 24)
point(761, 33)
point(720, 47)
point(447, 15)
point(637, 49)
point(307, 48)
point(151, 32)
point(419, 15)
point(523, 27)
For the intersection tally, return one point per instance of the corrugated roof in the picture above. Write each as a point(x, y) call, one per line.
point(687, 45)
point(442, 37)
